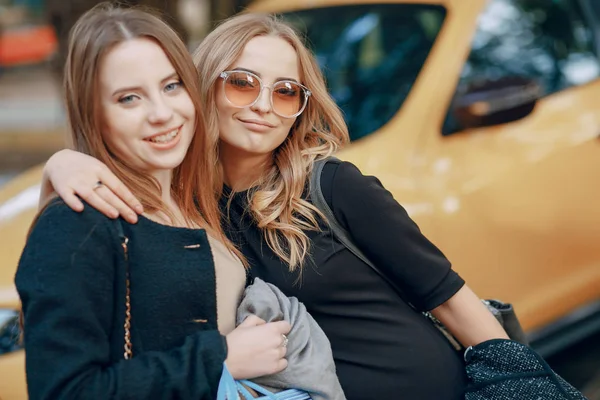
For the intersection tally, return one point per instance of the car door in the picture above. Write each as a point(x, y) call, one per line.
point(511, 166)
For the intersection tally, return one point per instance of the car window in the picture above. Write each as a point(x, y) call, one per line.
point(370, 55)
point(594, 6)
point(549, 42)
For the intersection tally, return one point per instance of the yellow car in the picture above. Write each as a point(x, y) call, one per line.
point(483, 119)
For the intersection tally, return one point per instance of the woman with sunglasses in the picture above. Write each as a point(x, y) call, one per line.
point(265, 96)
point(144, 311)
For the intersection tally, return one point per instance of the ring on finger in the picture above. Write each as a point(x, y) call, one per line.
point(98, 185)
point(284, 342)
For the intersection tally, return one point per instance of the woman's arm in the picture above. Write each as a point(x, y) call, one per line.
point(468, 319)
point(387, 235)
point(66, 280)
point(73, 175)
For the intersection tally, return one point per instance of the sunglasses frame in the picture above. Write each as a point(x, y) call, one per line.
point(307, 93)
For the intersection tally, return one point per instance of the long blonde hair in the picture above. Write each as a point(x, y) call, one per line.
point(277, 203)
point(93, 36)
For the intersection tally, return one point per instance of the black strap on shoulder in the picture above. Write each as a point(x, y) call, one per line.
point(338, 231)
point(318, 200)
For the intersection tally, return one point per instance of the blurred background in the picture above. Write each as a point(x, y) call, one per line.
point(481, 116)
point(33, 40)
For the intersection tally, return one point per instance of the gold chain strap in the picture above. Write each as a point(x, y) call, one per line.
point(127, 347)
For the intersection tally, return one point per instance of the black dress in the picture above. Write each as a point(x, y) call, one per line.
point(383, 349)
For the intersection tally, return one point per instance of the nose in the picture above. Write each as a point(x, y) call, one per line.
point(160, 111)
point(263, 103)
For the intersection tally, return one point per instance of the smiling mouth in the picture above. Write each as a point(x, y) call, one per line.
point(258, 123)
point(166, 137)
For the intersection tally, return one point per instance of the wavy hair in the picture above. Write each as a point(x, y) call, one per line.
point(277, 203)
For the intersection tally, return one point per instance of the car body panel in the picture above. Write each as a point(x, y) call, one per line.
point(12, 370)
point(18, 205)
point(513, 206)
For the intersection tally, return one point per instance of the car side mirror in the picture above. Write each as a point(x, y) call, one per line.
point(10, 332)
point(494, 102)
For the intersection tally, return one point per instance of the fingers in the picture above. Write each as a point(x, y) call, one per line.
point(73, 174)
point(278, 336)
point(281, 365)
point(257, 348)
point(281, 327)
point(282, 351)
point(250, 321)
point(100, 197)
point(128, 202)
point(71, 200)
point(277, 361)
point(93, 198)
point(116, 203)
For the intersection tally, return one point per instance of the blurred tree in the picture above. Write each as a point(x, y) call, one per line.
point(62, 15)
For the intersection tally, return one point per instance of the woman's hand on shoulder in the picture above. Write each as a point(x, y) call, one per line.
point(256, 348)
point(73, 175)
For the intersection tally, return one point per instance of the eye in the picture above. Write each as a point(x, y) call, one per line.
point(287, 92)
point(287, 89)
point(241, 81)
point(173, 86)
point(127, 99)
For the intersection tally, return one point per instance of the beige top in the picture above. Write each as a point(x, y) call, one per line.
point(230, 281)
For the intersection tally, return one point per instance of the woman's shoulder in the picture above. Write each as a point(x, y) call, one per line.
point(344, 167)
point(61, 238)
point(343, 177)
point(57, 218)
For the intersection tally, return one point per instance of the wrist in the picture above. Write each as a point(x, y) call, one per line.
point(46, 189)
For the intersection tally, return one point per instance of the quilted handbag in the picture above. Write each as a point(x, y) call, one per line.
point(507, 370)
point(230, 389)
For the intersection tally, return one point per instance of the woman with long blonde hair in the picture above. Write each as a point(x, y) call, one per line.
point(264, 94)
point(144, 311)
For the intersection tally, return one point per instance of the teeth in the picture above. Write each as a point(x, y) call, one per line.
point(164, 138)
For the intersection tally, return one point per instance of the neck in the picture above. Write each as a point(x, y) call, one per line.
point(165, 179)
point(241, 172)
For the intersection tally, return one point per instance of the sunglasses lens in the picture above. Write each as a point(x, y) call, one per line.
point(241, 89)
point(289, 98)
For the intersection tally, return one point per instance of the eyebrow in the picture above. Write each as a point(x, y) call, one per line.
point(260, 76)
point(135, 88)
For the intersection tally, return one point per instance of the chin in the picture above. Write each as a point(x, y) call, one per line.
point(255, 147)
point(256, 150)
point(240, 140)
point(168, 163)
